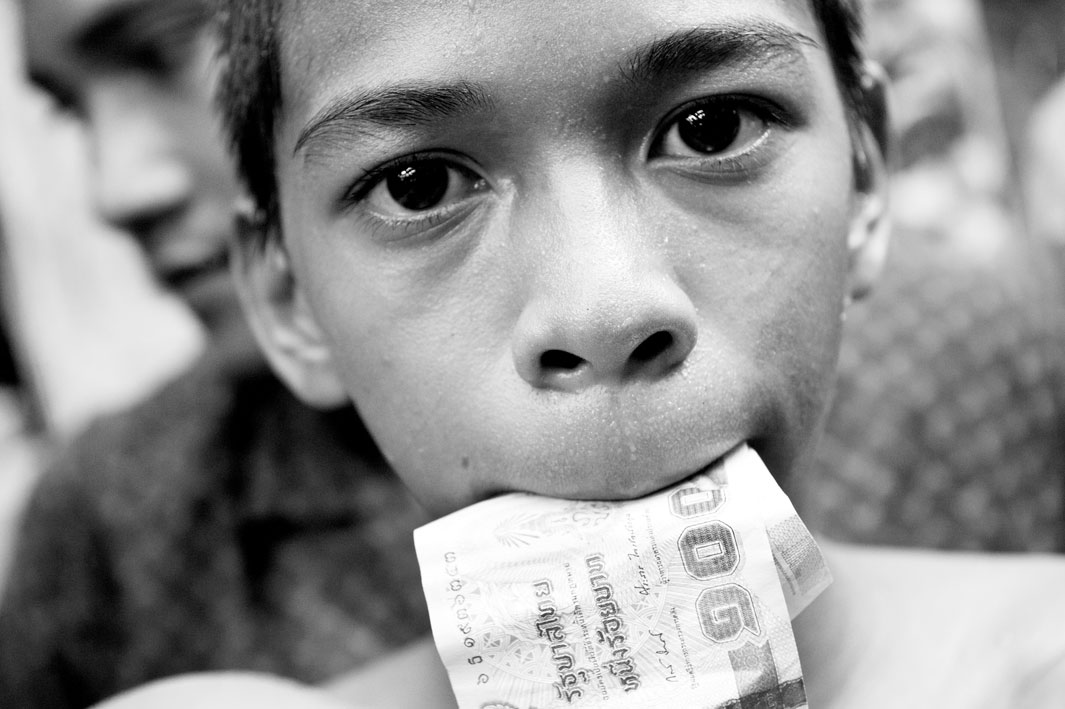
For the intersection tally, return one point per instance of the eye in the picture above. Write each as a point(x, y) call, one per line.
point(418, 186)
point(718, 128)
point(172, 38)
point(158, 39)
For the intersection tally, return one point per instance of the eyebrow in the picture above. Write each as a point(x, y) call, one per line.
point(419, 104)
point(708, 48)
point(406, 105)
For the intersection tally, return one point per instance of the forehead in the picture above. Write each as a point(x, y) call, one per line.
point(330, 47)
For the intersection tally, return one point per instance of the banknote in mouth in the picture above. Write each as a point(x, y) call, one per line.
point(680, 598)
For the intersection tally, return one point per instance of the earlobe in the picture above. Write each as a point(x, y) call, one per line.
point(870, 228)
point(279, 314)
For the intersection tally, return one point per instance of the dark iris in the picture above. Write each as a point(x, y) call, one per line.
point(418, 187)
point(710, 129)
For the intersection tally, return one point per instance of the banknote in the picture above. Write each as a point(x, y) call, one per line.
point(800, 566)
point(674, 599)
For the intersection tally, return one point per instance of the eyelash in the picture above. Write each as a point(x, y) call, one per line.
point(770, 112)
point(372, 177)
point(375, 176)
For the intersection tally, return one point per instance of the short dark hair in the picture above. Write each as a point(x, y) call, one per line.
point(249, 92)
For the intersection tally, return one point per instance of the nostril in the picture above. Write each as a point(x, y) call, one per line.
point(654, 346)
point(560, 360)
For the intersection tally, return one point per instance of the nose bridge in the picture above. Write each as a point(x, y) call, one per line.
point(140, 173)
point(587, 235)
point(604, 306)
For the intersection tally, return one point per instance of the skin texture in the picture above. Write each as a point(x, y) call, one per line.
point(695, 297)
point(140, 73)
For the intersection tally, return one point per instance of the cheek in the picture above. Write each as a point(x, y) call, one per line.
point(799, 340)
point(775, 287)
point(777, 272)
point(421, 345)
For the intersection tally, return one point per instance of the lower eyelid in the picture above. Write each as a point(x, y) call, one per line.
point(472, 179)
point(737, 166)
point(763, 126)
point(385, 229)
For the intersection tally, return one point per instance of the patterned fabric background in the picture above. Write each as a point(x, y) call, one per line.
point(948, 427)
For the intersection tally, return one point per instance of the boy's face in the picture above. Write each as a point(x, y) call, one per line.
point(577, 249)
point(139, 72)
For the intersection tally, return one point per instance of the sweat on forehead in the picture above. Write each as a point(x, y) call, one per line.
point(250, 97)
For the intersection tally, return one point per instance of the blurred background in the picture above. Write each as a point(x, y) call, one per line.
point(947, 429)
point(1027, 41)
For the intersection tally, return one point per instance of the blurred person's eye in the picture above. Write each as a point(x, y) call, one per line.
point(157, 38)
point(169, 43)
point(723, 134)
point(414, 193)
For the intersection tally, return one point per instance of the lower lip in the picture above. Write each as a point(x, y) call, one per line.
point(717, 460)
point(706, 468)
point(700, 471)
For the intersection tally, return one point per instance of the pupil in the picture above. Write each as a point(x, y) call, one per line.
point(418, 187)
point(710, 130)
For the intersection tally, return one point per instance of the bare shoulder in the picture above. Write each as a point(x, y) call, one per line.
point(410, 678)
point(224, 690)
point(947, 629)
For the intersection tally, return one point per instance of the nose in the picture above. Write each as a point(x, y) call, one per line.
point(605, 308)
point(625, 337)
point(140, 177)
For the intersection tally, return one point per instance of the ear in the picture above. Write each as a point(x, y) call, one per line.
point(870, 229)
point(279, 314)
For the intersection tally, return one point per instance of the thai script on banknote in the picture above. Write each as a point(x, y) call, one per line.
point(678, 599)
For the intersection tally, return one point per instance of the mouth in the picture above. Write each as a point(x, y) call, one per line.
point(672, 480)
point(640, 486)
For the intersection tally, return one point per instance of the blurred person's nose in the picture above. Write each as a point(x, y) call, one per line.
point(604, 306)
point(139, 176)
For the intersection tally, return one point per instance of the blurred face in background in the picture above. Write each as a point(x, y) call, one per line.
point(141, 75)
